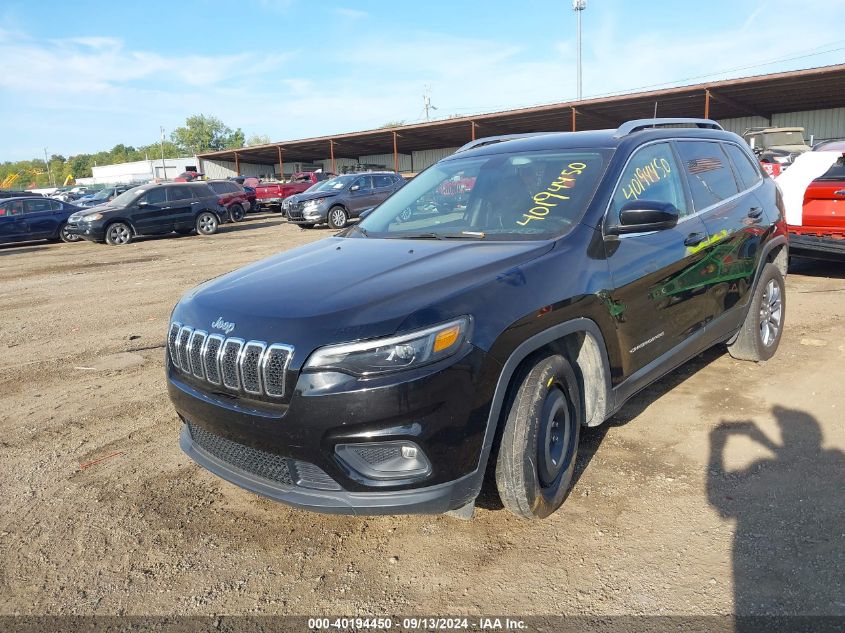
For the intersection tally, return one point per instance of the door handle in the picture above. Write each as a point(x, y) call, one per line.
point(755, 212)
point(694, 239)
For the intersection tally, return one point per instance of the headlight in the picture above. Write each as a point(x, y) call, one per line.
point(394, 353)
point(91, 218)
point(313, 204)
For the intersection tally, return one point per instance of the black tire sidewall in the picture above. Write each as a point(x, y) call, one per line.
point(108, 231)
point(329, 217)
point(236, 213)
point(770, 272)
point(197, 223)
point(521, 438)
point(67, 239)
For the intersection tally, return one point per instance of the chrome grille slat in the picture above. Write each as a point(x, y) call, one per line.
point(172, 336)
point(250, 367)
point(182, 348)
point(230, 357)
point(274, 369)
point(211, 358)
point(195, 349)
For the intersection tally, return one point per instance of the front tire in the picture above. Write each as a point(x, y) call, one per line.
point(207, 223)
point(118, 234)
point(236, 213)
point(536, 459)
point(337, 217)
point(759, 336)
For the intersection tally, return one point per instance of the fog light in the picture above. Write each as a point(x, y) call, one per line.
point(385, 461)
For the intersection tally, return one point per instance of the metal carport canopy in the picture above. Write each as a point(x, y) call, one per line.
point(761, 95)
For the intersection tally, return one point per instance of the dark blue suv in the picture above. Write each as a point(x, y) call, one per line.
point(384, 369)
point(35, 218)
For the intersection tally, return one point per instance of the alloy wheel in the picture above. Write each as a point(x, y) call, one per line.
point(771, 313)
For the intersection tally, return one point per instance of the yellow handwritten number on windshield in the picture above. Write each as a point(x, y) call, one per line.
point(546, 200)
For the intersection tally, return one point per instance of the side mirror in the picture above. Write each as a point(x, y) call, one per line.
point(354, 187)
point(143, 203)
point(641, 216)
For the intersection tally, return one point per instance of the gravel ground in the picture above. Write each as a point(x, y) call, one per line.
point(717, 490)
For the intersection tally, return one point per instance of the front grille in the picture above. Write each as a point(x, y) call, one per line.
point(251, 367)
point(261, 463)
point(295, 211)
point(283, 470)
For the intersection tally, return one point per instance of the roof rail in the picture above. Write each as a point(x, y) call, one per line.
point(489, 140)
point(629, 127)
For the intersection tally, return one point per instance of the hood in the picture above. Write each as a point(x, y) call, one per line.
point(302, 197)
point(342, 289)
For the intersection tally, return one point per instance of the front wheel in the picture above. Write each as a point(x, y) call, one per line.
point(759, 337)
point(536, 459)
point(207, 223)
point(118, 234)
point(337, 217)
point(236, 213)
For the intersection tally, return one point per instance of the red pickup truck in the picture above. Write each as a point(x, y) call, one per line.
point(271, 194)
point(821, 234)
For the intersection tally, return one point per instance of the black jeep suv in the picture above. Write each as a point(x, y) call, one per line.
point(153, 209)
point(405, 355)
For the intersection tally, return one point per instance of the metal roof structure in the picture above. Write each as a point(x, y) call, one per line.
point(760, 95)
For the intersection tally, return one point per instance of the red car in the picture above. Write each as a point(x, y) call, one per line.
point(822, 231)
point(271, 194)
point(233, 197)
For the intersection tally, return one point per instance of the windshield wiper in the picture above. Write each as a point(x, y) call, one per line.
point(440, 236)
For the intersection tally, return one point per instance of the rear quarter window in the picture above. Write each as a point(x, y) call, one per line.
point(748, 172)
point(708, 172)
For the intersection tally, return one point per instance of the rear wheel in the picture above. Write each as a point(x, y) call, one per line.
point(536, 459)
point(118, 234)
point(759, 337)
point(207, 223)
point(236, 212)
point(337, 217)
point(67, 237)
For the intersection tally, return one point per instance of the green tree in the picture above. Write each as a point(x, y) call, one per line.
point(258, 139)
point(206, 134)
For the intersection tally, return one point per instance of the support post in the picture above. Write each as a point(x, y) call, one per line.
point(574, 112)
point(281, 164)
point(395, 155)
point(707, 103)
point(472, 128)
point(237, 165)
point(331, 155)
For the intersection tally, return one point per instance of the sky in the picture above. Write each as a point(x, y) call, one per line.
point(82, 76)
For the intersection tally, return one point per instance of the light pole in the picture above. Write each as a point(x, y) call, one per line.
point(163, 168)
point(578, 6)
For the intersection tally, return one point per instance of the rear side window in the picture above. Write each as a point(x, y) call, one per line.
point(179, 193)
point(836, 171)
point(218, 187)
point(382, 181)
point(36, 205)
point(651, 174)
point(708, 173)
point(56, 205)
point(747, 171)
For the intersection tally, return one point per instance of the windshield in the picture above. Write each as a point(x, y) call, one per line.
point(774, 139)
point(126, 197)
point(530, 195)
point(329, 185)
point(102, 194)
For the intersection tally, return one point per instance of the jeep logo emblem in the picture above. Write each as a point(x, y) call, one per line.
point(226, 326)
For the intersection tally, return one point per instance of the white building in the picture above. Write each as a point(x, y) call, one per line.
point(140, 171)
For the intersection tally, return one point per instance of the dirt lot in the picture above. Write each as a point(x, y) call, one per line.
point(656, 522)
